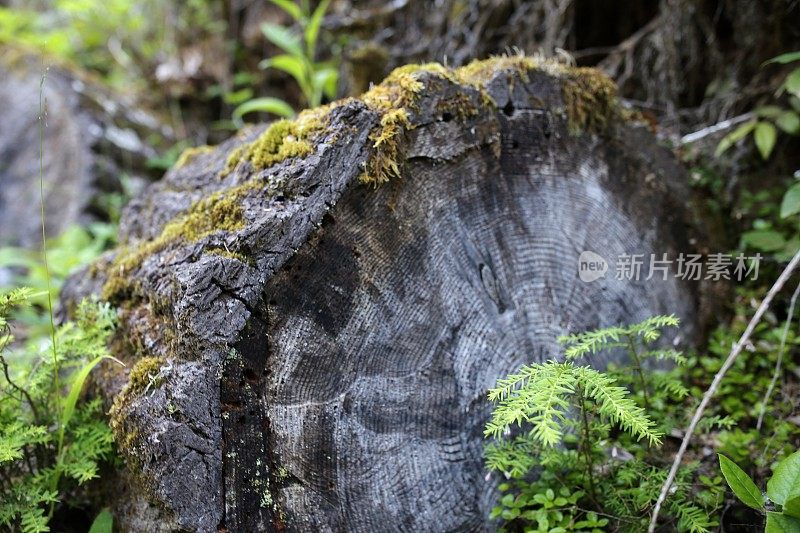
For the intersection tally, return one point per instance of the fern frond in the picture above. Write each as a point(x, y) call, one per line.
point(668, 383)
point(591, 342)
point(650, 329)
point(690, 517)
point(16, 436)
point(514, 458)
point(615, 404)
point(664, 355)
point(709, 423)
point(538, 395)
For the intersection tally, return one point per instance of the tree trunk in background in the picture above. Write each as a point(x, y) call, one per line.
point(92, 137)
point(321, 362)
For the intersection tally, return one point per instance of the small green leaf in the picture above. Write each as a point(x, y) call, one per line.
point(792, 508)
point(792, 83)
point(741, 484)
point(282, 38)
point(75, 391)
point(768, 111)
point(326, 79)
point(782, 59)
point(267, 104)
point(292, 65)
point(789, 121)
point(312, 30)
point(764, 240)
point(103, 523)
point(790, 204)
point(780, 523)
point(765, 136)
point(784, 485)
point(290, 7)
point(237, 97)
point(735, 136)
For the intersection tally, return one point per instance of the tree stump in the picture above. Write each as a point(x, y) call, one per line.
point(313, 312)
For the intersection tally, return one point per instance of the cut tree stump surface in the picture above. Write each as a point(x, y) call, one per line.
point(316, 330)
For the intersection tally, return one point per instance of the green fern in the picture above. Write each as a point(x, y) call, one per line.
point(50, 441)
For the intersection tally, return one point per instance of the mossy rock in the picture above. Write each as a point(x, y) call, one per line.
point(338, 292)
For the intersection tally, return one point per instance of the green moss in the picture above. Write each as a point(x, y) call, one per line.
point(283, 139)
point(459, 105)
point(391, 100)
point(478, 72)
point(221, 211)
point(190, 154)
point(590, 98)
point(229, 254)
point(143, 375)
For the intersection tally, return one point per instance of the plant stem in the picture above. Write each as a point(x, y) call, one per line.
point(584, 446)
point(781, 351)
point(638, 368)
point(56, 388)
point(698, 414)
point(42, 112)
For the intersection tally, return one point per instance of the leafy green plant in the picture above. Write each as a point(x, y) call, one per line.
point(50, 440)
point(769, 119)
point(781, 503)
point(315, 78)
point(774, 232)
point(575, 445)
point(119, 39)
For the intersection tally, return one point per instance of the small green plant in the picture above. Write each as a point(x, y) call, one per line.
point(575, 445)
point(781, 235)
point(50, 440)
point(781, 503)
point(315, 78)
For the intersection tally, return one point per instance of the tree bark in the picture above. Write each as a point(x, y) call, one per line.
point(323, 365)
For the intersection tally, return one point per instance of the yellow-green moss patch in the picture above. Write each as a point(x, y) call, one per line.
point(143, 375)
point(391, 99)
point(590, 98)
point(229, 254)
point(479, 71)
point(221, 211)
point(282, 140)
point(190, 154)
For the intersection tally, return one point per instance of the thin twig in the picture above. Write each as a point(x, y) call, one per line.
point(22, 391)
point(698, 414)
point(781, 351)
point(710, 130)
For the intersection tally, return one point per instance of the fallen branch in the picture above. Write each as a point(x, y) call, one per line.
point(698, 414)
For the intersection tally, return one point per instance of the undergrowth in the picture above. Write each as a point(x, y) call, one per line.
point(52, 441)
point(580, 452)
